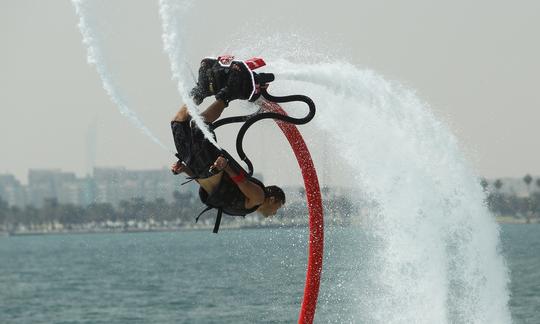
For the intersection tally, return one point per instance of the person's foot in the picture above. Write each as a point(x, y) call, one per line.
point(239, 84)
point(202, 89)
point(197, 95)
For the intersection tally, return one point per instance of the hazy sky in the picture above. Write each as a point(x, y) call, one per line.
point(475, 62)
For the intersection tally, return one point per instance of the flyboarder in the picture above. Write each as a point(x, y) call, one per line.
point(224, 184)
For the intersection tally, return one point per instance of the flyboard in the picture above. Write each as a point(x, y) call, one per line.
point(270, 109)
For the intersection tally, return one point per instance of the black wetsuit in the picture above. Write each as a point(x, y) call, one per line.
point(199, 155)
point(226, 82)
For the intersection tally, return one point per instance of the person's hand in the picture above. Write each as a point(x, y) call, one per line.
point(177, 168)
point(220, 164)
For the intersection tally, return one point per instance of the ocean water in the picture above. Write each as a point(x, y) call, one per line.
point(521, 246)
point(238, 276)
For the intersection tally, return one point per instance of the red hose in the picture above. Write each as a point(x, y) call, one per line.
point(316, 221)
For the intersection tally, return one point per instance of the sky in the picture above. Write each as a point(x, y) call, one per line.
point(474, 62)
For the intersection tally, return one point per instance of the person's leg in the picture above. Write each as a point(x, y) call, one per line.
point(214, 111)
point(191, 144)
point(182, 114)
point(209, 115)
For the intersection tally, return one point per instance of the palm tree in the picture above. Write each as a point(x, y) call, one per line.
point(484, 184)
point(4, 208)
point(527, 179)
point(498, 184)
point(536, 199)
point(496, 199)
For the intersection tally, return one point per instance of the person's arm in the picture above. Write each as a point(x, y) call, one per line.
point(253, 192)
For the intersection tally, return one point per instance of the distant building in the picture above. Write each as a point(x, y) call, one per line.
point(112, 185)
point(12, 191)
point(53, 183)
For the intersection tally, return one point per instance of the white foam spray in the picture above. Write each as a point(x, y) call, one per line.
point(438, 259)
point(95, 57)
point(171, 13)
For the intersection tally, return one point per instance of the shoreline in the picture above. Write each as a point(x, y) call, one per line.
point(149, 229)
point(514, 220)
point(203, 227)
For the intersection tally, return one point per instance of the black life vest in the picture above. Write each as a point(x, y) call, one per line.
point(227, 198)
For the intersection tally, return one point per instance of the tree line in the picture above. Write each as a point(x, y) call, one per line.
point(180, 212)
point(184, 208)
point(507, 204)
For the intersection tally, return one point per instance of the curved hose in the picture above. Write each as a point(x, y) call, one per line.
point(249, 120)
